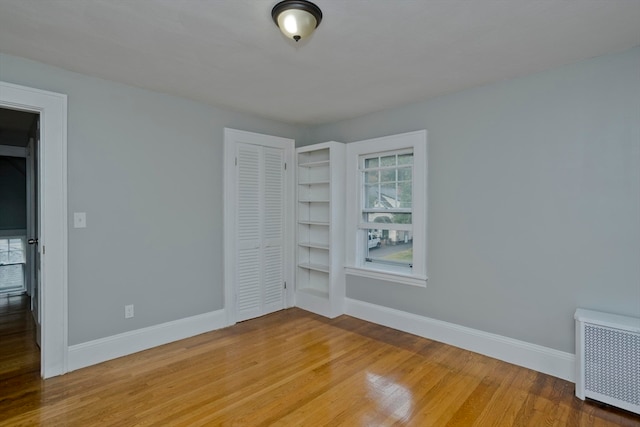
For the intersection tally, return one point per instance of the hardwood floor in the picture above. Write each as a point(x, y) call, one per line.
point(19, 353)
point(293, 368)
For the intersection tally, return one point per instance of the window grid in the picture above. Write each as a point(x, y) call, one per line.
point(12, 264)
point(12, 251)
point(386, 207)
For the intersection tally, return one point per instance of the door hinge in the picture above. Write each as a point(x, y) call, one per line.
point(42, 249)
point(236, 161)
point(285, 166)
point(285, 285)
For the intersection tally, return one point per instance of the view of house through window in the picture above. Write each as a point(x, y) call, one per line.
point(387, 207)
point(12, 264)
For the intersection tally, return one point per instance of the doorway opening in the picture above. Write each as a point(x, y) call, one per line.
point(51, 233)
point(19, 291)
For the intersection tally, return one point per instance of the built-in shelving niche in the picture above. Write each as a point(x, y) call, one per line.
point(319, 275)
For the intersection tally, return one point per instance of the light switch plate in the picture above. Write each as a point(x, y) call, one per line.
point(79, 220)
point(128, 311)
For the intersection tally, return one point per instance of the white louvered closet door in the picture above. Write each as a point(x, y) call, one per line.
point(260, 231)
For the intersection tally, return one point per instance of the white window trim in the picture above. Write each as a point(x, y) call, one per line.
point(354, 263)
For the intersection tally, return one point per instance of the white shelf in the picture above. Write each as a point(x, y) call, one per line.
point(315, 267)
point(322, 223)
point(315, 245)
point(314, 164)
point(319, 182)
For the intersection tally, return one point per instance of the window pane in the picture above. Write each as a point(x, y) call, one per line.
point(388, 175)
point(11, 277)
point(388, 196)
point(374, 238)
point(388, 199)
point(389, 247)
point(404, 194)
point(404, 174)
point(380, 196)
point(371, 196)
point(11, 251)
point(371, 163)
point(405, 159)
point(371, 177)
point(16, 251)
point(388, 160)
point(387, 217)
point(4, 251)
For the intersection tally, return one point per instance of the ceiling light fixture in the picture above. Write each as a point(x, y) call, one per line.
point(296, 18)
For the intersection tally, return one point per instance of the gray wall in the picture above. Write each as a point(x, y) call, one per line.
point(147, 169)
point(534, 200)
point(13, 193)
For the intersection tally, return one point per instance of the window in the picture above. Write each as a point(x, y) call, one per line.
point(386, 208)
point(12, 264)
point(386, 187)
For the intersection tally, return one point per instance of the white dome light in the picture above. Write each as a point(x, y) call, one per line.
point(296, 18)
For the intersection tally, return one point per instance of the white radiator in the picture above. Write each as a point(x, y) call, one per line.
point(608, 359)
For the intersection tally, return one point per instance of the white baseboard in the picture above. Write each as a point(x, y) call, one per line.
point(103, 349)
point(542, 359)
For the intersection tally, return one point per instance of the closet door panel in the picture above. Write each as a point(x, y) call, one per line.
point(249, 232)
point(261, 229)
point(274, 229)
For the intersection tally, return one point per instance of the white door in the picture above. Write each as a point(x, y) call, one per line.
point(259, 269)
point(33, 213)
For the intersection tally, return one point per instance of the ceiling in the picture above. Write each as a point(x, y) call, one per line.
point(366, 55)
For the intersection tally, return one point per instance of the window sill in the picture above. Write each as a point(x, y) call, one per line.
point(405, 279)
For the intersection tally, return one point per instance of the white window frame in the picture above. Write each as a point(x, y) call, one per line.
point(22, 236)
point(355, 235)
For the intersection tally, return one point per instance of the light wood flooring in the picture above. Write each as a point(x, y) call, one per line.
point(19, 354)
point(293, 368)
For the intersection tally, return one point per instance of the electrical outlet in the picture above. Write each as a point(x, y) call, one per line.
point(128, 311)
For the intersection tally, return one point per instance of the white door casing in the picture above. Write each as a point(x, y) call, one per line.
point(52, 185)
point(258, 232)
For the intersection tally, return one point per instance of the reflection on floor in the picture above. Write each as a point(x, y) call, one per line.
point(19, 354)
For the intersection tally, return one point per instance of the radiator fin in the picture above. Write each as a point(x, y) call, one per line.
point(612, 363)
